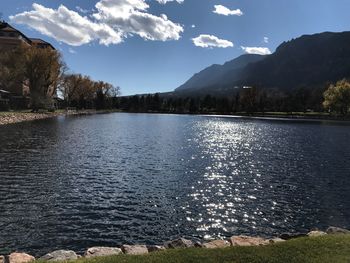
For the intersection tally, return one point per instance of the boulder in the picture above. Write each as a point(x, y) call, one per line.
point(316, 233)
point(135, 250)
point(288, 236)
point(20, 258)
point(248, 241)
point(332, 230)
point(197, 244)
point(155, 248)
point(102, 251)
point(60, 255)
point(2, 259)
point(179, 243)
point(276, 240)
point(217, 244)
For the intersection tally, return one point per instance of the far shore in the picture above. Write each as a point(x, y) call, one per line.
point(308, 116)
point(10, 117)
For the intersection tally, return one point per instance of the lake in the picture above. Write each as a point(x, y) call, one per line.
point(107, 180)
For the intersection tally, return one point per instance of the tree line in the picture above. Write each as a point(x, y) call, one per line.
point(43, 73)
point(81, 92)
point(248, 100)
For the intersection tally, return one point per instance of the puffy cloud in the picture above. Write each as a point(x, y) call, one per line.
point(167, 1)
point(113, 21)
point(257, 50)
point(67, 26)
point(82, 10)
point(130, 17)
point(266, 40)
point(210, 41)
point(223, 10)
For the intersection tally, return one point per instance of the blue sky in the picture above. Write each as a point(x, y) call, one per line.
point(146, 52)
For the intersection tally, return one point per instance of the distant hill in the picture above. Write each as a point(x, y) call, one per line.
point(309, 61)
point(217, 73)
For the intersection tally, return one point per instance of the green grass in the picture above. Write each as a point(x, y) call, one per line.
point(328, 249)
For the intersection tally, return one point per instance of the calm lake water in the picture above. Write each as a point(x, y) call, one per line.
point(77, 182)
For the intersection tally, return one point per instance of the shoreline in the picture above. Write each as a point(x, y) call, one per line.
point(179, 243)
point(12, 117)
point(267, 116)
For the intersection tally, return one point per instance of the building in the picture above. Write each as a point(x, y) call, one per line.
point(4, 99)
point(11, 38)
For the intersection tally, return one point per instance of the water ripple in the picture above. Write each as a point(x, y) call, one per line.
point(111, 179)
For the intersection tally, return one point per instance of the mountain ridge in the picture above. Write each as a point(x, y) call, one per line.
point(213, 73)
point(313, 60)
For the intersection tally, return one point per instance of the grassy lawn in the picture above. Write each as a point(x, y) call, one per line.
point(331, 248)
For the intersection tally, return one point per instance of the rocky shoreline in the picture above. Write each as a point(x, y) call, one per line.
point(234, 241)
point(16, 117)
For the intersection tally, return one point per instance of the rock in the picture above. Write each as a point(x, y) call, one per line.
point(288, 236)
point(102, 251)
point(2, 259)
point(179, 243)
point(217, 244)
point(60, 255)
point(276, 240)
point(155, 248)
point(332, 230)
point(135, 250)
point(20, 258)
point(197, 244)
point(316, 233)
point(248, 241)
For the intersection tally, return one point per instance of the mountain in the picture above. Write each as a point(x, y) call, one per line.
point(308, 61)
point(215, 73)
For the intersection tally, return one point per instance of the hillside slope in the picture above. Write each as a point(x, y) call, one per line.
point(309, 61)
point(215, 73)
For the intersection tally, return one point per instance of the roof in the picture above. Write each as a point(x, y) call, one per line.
point(5, 27)
point(38, 41)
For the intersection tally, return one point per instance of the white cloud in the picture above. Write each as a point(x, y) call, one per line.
point(223, 10)
point(81, 10)
point(163, 2)
point(111, 23)
point(67, 26)
point(210, 41)
point(193, 26)
point(131, 17)
point(72, 51)
point(257, 50)
point(266, 40)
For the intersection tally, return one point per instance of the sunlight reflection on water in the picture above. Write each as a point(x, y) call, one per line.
point(137, 178)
